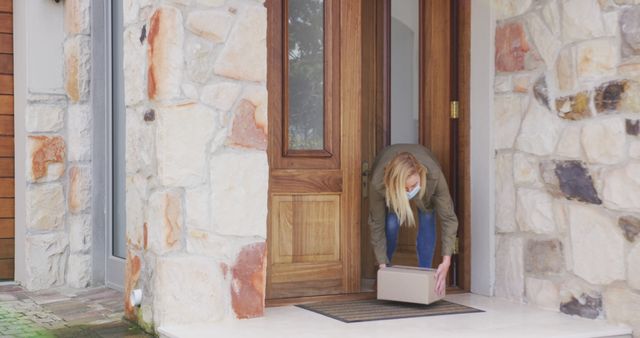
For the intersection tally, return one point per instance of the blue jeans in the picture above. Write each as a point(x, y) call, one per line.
point(425, 242)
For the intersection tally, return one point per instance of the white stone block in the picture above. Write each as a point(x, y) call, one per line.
point(569, 145)
point(79, 272)
point(183, 133)
point(633, 267)
point(621, 189)
point(581, 19)
point(188, 289)
point(542, 293)
point(244, 56)
point(198, 208)
point(213, 25)
point(540, 131)
point(166, 221)
point(45, 117)
point(134, 66)
point(508, 115)
point(45, 206)
point(505, 194)
point(221, 95)
point(239, 180)
point(79, 133)
point(534, 211)
point(508, 8)
point(604, 140)
point(597, 245)
point(509, 267)
point(46, 260)
point(526, 169)
point(79, 233)
point(140, 150)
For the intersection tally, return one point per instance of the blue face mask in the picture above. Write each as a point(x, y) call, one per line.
point(411, 194)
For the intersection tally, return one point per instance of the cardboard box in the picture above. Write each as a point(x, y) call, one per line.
point(408, 284)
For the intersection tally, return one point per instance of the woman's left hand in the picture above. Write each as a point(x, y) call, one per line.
point(441, 275)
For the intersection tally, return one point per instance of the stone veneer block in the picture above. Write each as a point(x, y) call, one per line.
point(183, 134)
point(77, 56)
point(244, 56)
point(633, 267)
point(132, 269)
point(581, 19)
point(45, 207)
point(249, 274)
point(140, 143)
point(165, 54)
point(525, 169)
point(508, 116)
point(166, 221)
point(512, 47)
point(547, 44)
point(200, 59)
point(213, 25)
point(596, 58)
point(604, 141)
point(211, 3)
point(618, 96)
point(248, 130)
point(45, 260)
point(77, 17)
point(505, 194)
point(541, 91)
point(79, 195)
point(134, 66)
point(576, 182)
point(45, 158)
point(136, 198)
point(542, 293)
point(79, 132)
point(197, 206)
point(632, 127)
point(188, 289)
point(540, 131)
point(566, 69)
point(598, 246)
point(586, 307)
point(221, 95)
point(630, 226)
point(509, 267)
point(239, 180)
point(569, 143)
point(509, 8)
point(543, 256)
point(534, 212)
point(622, 305)
point(574, 107)
point(44, 117)
point(79, 233)
point(630, 31)
point(79, 271)
point(622, 188)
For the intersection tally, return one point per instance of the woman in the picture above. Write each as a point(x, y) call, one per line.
point(405, 174)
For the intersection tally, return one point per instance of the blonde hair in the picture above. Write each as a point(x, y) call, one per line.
point(396, 174)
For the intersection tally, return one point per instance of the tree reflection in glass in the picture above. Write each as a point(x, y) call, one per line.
point(306, 74)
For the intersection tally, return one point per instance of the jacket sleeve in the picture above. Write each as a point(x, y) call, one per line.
point(445, 211)
point(377, 215)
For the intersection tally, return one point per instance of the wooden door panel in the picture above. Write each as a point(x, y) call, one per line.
point(306, 228)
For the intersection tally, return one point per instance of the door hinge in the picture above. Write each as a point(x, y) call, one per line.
point(456, 247)
point(365, 179)
point(455, 110)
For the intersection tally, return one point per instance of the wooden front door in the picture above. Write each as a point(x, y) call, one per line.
point(314, 68)
point(432, 25)
point(7, 236)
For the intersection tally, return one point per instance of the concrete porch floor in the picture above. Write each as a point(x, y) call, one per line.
point(501, 319)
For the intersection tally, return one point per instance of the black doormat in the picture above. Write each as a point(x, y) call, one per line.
point(374, 309)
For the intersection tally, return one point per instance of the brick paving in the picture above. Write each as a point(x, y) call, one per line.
point(64, 312)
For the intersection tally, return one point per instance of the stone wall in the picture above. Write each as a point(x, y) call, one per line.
point(196, 163)
point(567, 117)
point(58, 146)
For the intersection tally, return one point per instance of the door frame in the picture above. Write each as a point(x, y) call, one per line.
point(352, 100)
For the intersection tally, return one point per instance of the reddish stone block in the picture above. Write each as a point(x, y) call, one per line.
point(131, 276)
point(225, 269)
point(512, 47)
point(45, 150)
point(249, 281)
point(248, 129)
point(165, 56)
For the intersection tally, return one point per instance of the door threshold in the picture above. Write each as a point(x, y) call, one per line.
point(339, 297)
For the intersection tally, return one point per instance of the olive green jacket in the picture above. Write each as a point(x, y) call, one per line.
point(437, 196)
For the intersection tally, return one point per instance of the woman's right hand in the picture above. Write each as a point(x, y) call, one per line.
point(382, 266)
